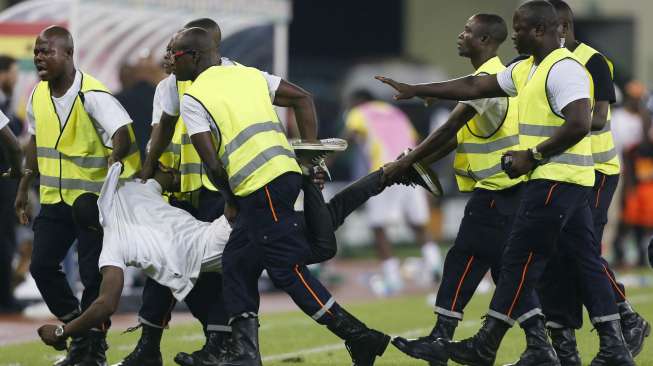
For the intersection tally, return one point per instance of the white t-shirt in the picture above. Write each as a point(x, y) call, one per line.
point(142, 230)
point(490, 113)
point(169, 97)
point(157, 108)
point(567, 82)
point(4, 120)
point(104, 109)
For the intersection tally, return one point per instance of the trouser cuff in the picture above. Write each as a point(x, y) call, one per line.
point(246, 315)
point(449, 313)
point(150, 324)
point(529, 314)
point(498, 315)
point(70, 316)
point(324, 309)
point(218, 328)
point(605, 318)
point(554, 325)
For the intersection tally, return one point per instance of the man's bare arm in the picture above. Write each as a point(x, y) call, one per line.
point(160, 138)
point(301, 101)
point(465, 88)
point(121, 145)
point(600, 115)
point(203, 143)
point(103, 307)
point(575, 128)
point(11, 146)
point(31, 172)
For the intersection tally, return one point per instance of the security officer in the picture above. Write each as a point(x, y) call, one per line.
point(485, 129)
point(78, 129)
point(260, 178)
point(561, 300)
point(554, 124)
point(171, 146)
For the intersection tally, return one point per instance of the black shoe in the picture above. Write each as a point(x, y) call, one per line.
point(96, 351)
point(209, 355)
point(564, 343)
point(428, 348)
point(613, 350)
point(364, 344)
point(76, 351)
point(539, 351)
point(244, 348)
point(481, 349)
point(147, 351)
point(422, 175)
point(634, 327)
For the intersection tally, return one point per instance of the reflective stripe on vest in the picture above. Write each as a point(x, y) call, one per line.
point(253, 147)
point(605, 156)
point(477, 163)
point(538, 123)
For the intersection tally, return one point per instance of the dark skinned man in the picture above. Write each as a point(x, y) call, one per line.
point(78, 129)
point(561, 300)
point(482, 130)
point(554, 123)
point(171, 146)
point(256, 171)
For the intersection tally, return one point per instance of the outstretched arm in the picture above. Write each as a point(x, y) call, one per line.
point(97, 313)
point(301, 101)
point(435, 142)
point(465, 88)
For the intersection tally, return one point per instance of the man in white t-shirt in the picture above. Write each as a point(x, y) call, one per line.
point(554, 206)
point(78, 129)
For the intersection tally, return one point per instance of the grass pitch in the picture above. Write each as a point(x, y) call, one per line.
point(293, 338)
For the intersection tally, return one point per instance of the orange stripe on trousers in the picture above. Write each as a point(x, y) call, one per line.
point(548, 196)
point(614, 283)
point(598, 193)
point(462, 278)
point(523, 278)
point(299, 274)
point(274, 214)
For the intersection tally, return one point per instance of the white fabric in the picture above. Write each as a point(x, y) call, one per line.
point(157, 108)
point(104, 109)
point(397, 202)
point(568, 81)
point(4, 120)
point(170, 97)
point(142, 230)
point(490, 113)
point(626, 128)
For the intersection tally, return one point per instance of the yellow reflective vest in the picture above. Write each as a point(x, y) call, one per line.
point(481, 143)
point(606, 159)
point(538, 122)
point(253, 146)
point(72, 159)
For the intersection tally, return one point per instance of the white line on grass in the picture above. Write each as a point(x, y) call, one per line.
point(338, 346)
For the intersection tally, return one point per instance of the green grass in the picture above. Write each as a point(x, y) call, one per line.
point(284, 336)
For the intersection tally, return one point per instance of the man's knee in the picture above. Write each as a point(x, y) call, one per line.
point(85, 211)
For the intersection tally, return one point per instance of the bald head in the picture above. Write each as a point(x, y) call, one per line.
point(193, 51)
point(59, 37)
point(539, 14)
point(208, 25)
point(195, 38)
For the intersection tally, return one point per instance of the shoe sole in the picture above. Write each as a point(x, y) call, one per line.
point(434, 187)
point(647, 332)
point(326, 145)
point(432, 361)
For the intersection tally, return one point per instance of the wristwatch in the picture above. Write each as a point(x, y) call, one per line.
point(536, 155)
point(59, 331)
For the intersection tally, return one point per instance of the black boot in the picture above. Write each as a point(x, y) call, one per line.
point(481, 349)
point(634, 327)
point(613, 350)
point(244, 349)
point(539, 351)
point(96, 351)
point(426, 348)
point(76, 351)
point(363, 343)
point(147, 351)
point(209, 355)
point(564, 342)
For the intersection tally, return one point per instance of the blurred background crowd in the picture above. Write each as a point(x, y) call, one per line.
point(333, 49)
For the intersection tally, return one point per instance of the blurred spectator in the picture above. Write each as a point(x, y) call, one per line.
point(632, 133)
point(382, 132)
point(138, 86)
point(8, 304)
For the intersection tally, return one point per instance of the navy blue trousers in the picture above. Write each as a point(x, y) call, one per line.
point(552, 216)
